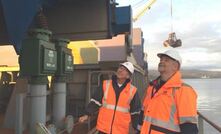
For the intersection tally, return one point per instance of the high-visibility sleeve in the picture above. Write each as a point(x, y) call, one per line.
point(186, 101)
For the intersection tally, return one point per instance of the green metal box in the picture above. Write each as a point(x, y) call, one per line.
point(38, 56)
point(64, 57)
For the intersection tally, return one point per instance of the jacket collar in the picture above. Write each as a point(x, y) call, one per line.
point(114, 78)
point(174, 81)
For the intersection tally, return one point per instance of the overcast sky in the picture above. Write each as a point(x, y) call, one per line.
point(196, 22)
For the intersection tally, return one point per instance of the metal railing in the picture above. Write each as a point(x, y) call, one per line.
point(201, 119)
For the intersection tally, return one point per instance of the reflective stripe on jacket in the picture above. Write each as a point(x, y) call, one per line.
point(115, 118)
point(172, 105)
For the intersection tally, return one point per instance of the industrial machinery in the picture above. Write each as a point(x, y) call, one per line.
point(143, 10)
point(81, 84)
point(39, 35)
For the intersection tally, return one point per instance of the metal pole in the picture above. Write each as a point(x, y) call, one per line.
point(200, 125)
point(214, 125)
point(59, 104)
point(37, 105)
point(89, 97)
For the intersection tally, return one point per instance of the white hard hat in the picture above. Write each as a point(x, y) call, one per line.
point(129, 66)
point(172, 54)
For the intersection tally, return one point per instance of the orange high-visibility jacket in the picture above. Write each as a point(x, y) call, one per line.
point(115, 118)
point(175, 103)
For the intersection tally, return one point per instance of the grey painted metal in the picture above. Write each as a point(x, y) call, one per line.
point(21, 86)
point(88, 92)
point(200, 125)
point(59, 104)
point(204, 118)
point(38, 95)
point(19, 113)
point(80, 27)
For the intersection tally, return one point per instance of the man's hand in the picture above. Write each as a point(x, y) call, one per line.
point(83, 118)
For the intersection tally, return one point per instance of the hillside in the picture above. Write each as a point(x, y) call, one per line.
point(191, 74)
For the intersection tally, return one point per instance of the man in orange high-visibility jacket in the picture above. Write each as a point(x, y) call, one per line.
point(118, 103)
point(170, 105)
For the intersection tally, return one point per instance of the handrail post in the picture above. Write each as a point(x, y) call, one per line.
point(200, 125)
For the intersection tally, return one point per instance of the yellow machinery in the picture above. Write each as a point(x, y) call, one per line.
point(84, 52)
point(9, 68)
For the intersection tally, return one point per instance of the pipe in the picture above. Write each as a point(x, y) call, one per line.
point(37, 105)
point(59, 104)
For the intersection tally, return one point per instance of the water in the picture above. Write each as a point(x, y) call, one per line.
point(209, 100)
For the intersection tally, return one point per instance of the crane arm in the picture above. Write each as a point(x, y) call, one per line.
point(147, 7)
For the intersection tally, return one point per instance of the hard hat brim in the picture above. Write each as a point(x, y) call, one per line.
point(162, 54)
point(121, 64)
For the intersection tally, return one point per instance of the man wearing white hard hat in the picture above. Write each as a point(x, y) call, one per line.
point(170, 105)
point(118, 103)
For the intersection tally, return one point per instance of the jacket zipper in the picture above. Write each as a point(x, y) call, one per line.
point(113, 118)
point(116, 107)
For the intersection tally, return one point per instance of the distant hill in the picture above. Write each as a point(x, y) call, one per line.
point(190, 74)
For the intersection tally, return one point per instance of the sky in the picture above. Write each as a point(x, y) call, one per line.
point(196, 22)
